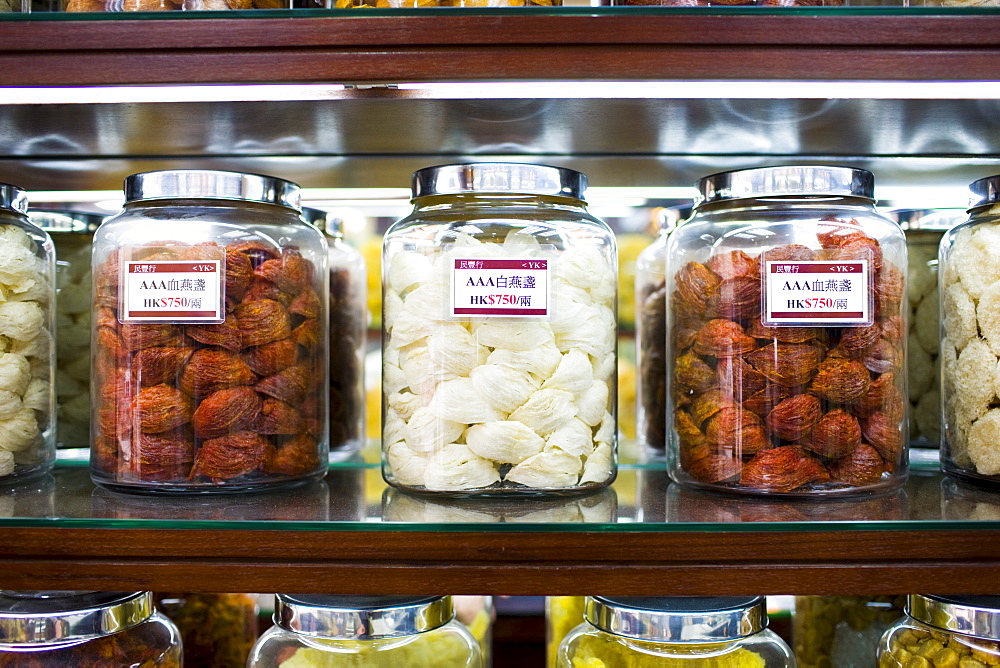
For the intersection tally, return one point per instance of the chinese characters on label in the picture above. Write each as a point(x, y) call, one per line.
point(817, 293)
point(509, 287)
point(172, 291)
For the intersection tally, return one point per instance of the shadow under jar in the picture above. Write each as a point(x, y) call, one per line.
point(209, 337)
point(787, 325)
point(499, 335)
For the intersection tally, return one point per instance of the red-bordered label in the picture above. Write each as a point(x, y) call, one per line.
point(172, 291)
point(506, 287)
point(818, 293)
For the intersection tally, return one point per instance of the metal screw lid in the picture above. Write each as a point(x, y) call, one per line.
point(13, 198)
point(361, 617)
point(985, 191)
point(977, 616)
point(324, 221)
point(678, 619)
point(499, 178)
point(59, 221)
point(927, 219)
point(799, 180)
point(211, 184)
point(28, 618)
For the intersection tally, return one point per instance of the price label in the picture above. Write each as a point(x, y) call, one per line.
point(507, 287)
point(817, 293)
point(172, 291)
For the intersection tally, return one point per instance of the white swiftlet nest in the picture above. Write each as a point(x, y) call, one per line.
point(546, 410)
point(506, 441)
point(503, 387)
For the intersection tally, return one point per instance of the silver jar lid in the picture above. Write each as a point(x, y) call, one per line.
point(324, 221)
point(211, 184)
point(361, 617)
point(797, 180)
point(679, 618)
point(977, 616)
point(59, 221)
point(499, 178)
point(28, 618)
point(932, 220)
point(13, 198)
point(985, 191)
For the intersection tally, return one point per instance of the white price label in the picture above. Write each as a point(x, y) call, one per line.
point(817, 293)
point(172, 291)
point(507, 287)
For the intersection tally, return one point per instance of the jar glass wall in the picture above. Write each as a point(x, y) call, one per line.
point(841, 630)
point(217, 630)
point(27, 342)
point(651, 344)
point(499, 335)
point(209, 336)
point(787, 320)
point(940, 631)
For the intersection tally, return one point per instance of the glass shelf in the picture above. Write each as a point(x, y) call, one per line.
point(353, 497)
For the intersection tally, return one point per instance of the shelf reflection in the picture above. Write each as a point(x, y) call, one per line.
point(354, 497)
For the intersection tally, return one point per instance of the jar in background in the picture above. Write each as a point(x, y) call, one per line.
point(697, 632)
point(944, 631)
point(169, 5)
point(924, 230)
point(841, 630)
point(27, 348)
point(499, 335)
point(72, 234)
point(562, 615)
point(970, 339)
point(476, 613)
point(209, 336)
point(366, 631)
point(419, 4)
point(348, 336)
point(56, 629)
point(217, 630)
point(788, 336)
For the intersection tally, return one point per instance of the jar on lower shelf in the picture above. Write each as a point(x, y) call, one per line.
point(830, 631)
point(499, 335)
point(366, 632)
point(944, 632)
point(970, 345)
point(72, 235)
point(682, 631)
point(57, 629)
point(217, 630)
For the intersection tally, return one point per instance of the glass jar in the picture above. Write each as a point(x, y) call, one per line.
point(476, 613)
point(348, 336)
point(969, 263)
point(27, 348)
point(562, 615)
point(499, 335)
point(651, 342)
point(368, 631)
point(841, 630)
point(218, 630)
point(72, 234)
point(55, 629)
point(678, 631)
point(924, 229)
point(169, 5)
point(944, 631)
point(209, 336)
point(788, 336)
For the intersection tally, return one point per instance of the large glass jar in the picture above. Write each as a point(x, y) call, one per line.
point(969, 262)
point(218, 630)
point(788, 336)
point(27, 348)
point(56, 629)
point(210, 336)
point(365, 631)
point(678, 631)
point(562, 615)
point(499, 335)
point(72, 234)
point(830, 631)
point(942, 632)
point(348, 336)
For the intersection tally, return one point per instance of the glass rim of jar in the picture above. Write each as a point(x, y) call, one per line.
point(80, 616)
point(976, 616)
point(66, 221)
point(784, 181)
point(13, 199)
point(498, 178)
point(361, 617)
point(324, 221)
point(678, 619)
point(213, 185)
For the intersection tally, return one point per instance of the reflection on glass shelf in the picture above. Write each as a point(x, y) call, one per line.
point(353, 497)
